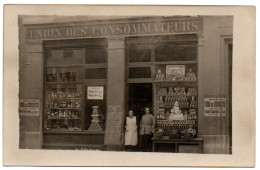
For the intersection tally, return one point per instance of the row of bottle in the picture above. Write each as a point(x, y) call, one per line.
point(174, 126)
point(170, 123)
point(64, 104)
point(177, 91)
point(183, 101)
point(159, 77)
point(71, 76)
point(62, 93)
point(63, 114)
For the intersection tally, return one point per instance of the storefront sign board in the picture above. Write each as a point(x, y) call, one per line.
point(29, 107)
point(95, 92)
point(115, 29)
point(215, 107)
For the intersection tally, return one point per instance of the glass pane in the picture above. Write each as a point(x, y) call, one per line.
point(95, 108)
point(139, 54)
point(64, 56)
point(139, 72)
point(63, 107)
point(64, 75)
point(95, 73)
point(176, 53)
point(95, 55)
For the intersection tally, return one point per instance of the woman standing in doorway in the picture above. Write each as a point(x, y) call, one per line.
point(131, 131)
point(146, 128)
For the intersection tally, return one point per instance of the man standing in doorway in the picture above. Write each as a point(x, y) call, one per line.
point(146, 128)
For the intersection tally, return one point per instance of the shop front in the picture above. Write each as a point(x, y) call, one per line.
point(86, 76)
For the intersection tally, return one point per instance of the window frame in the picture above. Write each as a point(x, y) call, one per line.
point(76, 44)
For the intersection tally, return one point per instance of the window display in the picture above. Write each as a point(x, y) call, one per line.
point(177, 99)
point(68, 71)
point(63, 106)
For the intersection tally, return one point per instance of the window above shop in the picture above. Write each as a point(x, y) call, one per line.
point(67, 56)
point(95, 73)
point(139, 72)
point(175, 52)
point(139, 54)
point(95, 55)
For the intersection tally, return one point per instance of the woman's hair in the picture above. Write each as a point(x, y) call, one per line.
point(130, 110)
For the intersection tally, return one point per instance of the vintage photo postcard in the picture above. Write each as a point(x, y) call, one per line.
point(129, 85)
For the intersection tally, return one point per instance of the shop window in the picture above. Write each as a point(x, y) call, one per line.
point(139, 72)
point(64, 56)
point(95, 55)
point(178, 52)
point(70, 66)
point(95, 73)
point(95, 107)
point(139, 54)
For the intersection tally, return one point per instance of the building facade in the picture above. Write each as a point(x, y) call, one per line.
point(79, 76)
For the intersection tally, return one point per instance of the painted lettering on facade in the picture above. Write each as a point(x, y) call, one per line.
point(114, 30)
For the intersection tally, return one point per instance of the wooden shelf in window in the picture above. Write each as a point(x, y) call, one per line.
point(175, 62)
point(50, 131)
point(64, 66)
point(63, 82)
point(176, 81)
point(100, 65)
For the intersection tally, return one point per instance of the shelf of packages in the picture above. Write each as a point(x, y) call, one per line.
point(166, 95)
point(60, 115)
point(63, 82)
point(64, 104)
point(175, 124)
point(175, 81)
point(65, 98)
point(171, 105)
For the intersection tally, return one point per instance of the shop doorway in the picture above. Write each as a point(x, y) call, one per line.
point(140, 96)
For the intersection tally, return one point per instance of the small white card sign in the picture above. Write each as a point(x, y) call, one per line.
point(95, 92)
point(29, 107)
point(215, 107)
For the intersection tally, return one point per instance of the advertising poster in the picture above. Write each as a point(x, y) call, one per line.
point(215, 107)
point(29, 107)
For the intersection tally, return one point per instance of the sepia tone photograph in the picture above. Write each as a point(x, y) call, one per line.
point(126, 84)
